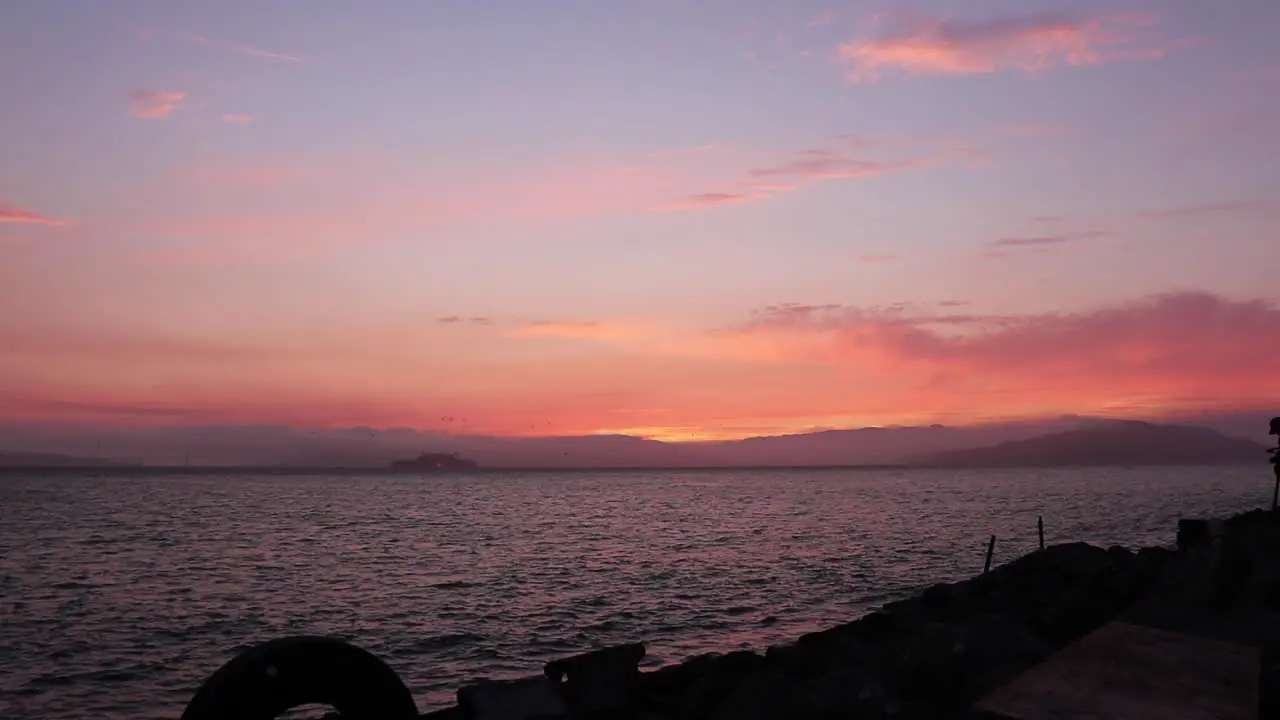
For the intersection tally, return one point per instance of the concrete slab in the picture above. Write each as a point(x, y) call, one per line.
point(1130, 672)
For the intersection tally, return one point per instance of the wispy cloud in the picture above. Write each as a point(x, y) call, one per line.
point(1044, 240)
point(1034, 131)
point(714, 199)
point(1187, 211)
point(155, 104)
point(848, 157)
point(242, 49)
point(14, 214)
point(1030, 43)
point(581, 330)
point(822, 19)
point(829, 164)
point(456, 319)
point(237, 118)
point(876, 259)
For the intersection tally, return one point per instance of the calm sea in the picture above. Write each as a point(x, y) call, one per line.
point(119, 596)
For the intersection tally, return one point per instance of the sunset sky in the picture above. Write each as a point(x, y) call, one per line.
point(684, 219)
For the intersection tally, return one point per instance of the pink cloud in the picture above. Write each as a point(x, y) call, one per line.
point(237, 118)
point(1170, 349)
point(946, 46)
point(355, 199)
point(155, 104)
point(242, 49)
point(13, 214)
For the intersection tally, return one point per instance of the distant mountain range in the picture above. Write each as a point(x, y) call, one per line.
point(1119, 443)
point(45, 460)
point(1070, 440)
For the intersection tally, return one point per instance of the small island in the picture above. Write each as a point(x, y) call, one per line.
point(436, 462)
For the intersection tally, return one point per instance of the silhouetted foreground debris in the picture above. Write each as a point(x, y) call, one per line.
point(936, 654)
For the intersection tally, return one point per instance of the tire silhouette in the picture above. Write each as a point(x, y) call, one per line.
point(278, 675)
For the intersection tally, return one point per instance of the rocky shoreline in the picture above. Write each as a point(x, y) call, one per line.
point(938, 653)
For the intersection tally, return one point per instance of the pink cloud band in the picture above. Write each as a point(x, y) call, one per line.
point(947, 46)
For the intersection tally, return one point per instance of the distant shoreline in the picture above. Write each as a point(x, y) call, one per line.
point(123, 470)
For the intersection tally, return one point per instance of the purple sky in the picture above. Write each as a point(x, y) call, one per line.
point(674, 218)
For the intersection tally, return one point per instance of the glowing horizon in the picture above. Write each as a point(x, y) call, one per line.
point(681, 222)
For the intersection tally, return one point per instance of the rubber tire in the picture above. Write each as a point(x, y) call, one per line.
point(278, 675)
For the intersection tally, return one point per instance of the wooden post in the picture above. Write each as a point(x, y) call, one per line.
point(1275, 462)
point(991, 547)
point(1040, 526)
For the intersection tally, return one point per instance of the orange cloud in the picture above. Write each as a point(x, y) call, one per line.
point(237, 118)
point(456, 319)
point(242, 49)
point(12, 214)
point(946, 46)
point(155, 104)
point(586, 330)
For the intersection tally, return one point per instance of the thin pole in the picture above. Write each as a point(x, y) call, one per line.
point(1040, 525)
point(991, 547)
point(1275, 462)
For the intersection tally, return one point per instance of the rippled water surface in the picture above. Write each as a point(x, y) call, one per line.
point(119, 596)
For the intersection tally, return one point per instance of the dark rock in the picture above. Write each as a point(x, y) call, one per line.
point(1193, 532)
point(676, 679)
point(850, 691)
point(699, 683)
point(452, 713)
point(524, 699)
point(763, 695)
point(603, 680)
point(877, 626)
point(724, 673)
point(816, 651)
point(1235, 566)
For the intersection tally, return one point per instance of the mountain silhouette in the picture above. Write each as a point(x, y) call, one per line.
point(1106, 443)
point(41, 460)
point(281, 446)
